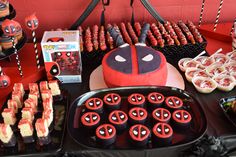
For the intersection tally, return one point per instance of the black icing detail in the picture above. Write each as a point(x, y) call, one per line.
point(124, 67)
point(147, 66)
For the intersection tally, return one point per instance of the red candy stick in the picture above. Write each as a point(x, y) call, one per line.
point(32, 23)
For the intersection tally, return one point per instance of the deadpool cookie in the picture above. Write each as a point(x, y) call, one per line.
point(181, 118)
point(155, 100)
point(137, 115)
point(162, 134)
point(112, 101)
point(95, 105)
point(119, 119)
point(136, 100)
point(106, 134)
point(90, 120)
point(161, 115)
point(173, 102)
point(139, 135)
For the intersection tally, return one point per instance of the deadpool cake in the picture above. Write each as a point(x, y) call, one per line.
point(136, 100)
point(155, 100)
point(106, 134)
point(162, 134)
point(181, 118)
point(112, 101)
point(119, 119)
point(90, 120)
point(173, 102)
point(134, 65)
point(94, 104)
point(139, 135)
point(161, 115)
point(137, 115)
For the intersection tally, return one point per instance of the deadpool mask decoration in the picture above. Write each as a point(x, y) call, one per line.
point(139, 135)
point(32, 22)
point(9, 27)
point(90, 120)
point(55, 39)
point(94, 104)
point(4, 81)
point(106, 134)
point(174, 102)
point(182, 117)
point(136, 100)
point(161, 115)
point(162, 134)
point(138, 115)
point(52, 68)
point(134, 65)
point(119, 119)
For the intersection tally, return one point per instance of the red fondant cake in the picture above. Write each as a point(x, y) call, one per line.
point(134, 65)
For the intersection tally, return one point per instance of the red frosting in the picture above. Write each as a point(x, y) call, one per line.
point(139, 132)
point(106, 131)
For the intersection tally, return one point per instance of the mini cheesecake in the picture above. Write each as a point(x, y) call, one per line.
point(42, 131)
point(26, 130)
point(119, 119)
point(155, 100)
point(19, 87)
point(136, 100)
point(12, 104)
point(215, 69)
point(204, 85)
point(48, 116)
point(162, 134)
point(225, 82)
point(54, 87)
point(8, 115)
point(95, 105)
point(181, 118)
point(27, 113)
point(7, 136)
point(90, 120)
point(181, 63)
point(205, 61)
point(139, 135)
point(106, 134)
point(189, 73)
point(173, 102)
point(17, 96)
point(137, 115)
point(43, 85)
point(161, 115)
point(46, 93)
point(31, 103)
point(48, 103)
point(112, 101)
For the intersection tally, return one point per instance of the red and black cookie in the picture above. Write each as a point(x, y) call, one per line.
point(162, 134)
point(155, 100)
point(112, 101)
point(161, 115)
point(181, 118)
point(90, 120)
point(136, 100)
point(106, 134)
point(139, 135)
point(173, 102)
point(119, 119)
point(137, 115)
point(94, 104)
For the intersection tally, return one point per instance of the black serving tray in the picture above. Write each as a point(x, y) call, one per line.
point(11, 15)
point(57, 130)
point(226, 109)
point(180, 138)
point(7, 53)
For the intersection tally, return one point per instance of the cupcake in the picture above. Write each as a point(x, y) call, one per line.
point(95, 105)
point(112, 101)
point(136, 100)
point(4, 9)
point(90, 120)
point(155, 100)
point(42, 132)
point(139, 135)
point(106, 135)
point(162, 134)
point(26, 130)
point(119, 119)
point(6, 42)
point(173, 102)
point(137, 115)
point(181, 118)
point(7, 136)
point(161, 115)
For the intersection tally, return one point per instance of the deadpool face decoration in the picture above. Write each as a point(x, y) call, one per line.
point(112, 99)
point(4, 81)
point(138, 115)
point(52, 68)
point(106, 134)
point(55, 39)
point(139, 134)
point(94, 104)
point(174, 102)
point(2, 5)
point(9, 27)
point(32, 22)
point(155, 98)
point(134, 65)
point(136, 99)
point(90, 119)
point(161, 115)
point(118, 118)
point(162, 131)
point(181, 116)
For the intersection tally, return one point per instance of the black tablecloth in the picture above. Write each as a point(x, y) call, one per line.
point(218, 124)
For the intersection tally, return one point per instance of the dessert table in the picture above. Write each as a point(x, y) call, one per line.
point(218, 124)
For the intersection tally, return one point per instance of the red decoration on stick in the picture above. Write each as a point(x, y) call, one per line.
point(4, 79)
point(32, 23)
point(9, 28)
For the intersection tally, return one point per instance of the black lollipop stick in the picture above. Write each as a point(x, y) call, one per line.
point(143, 35)
point(115, 34)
